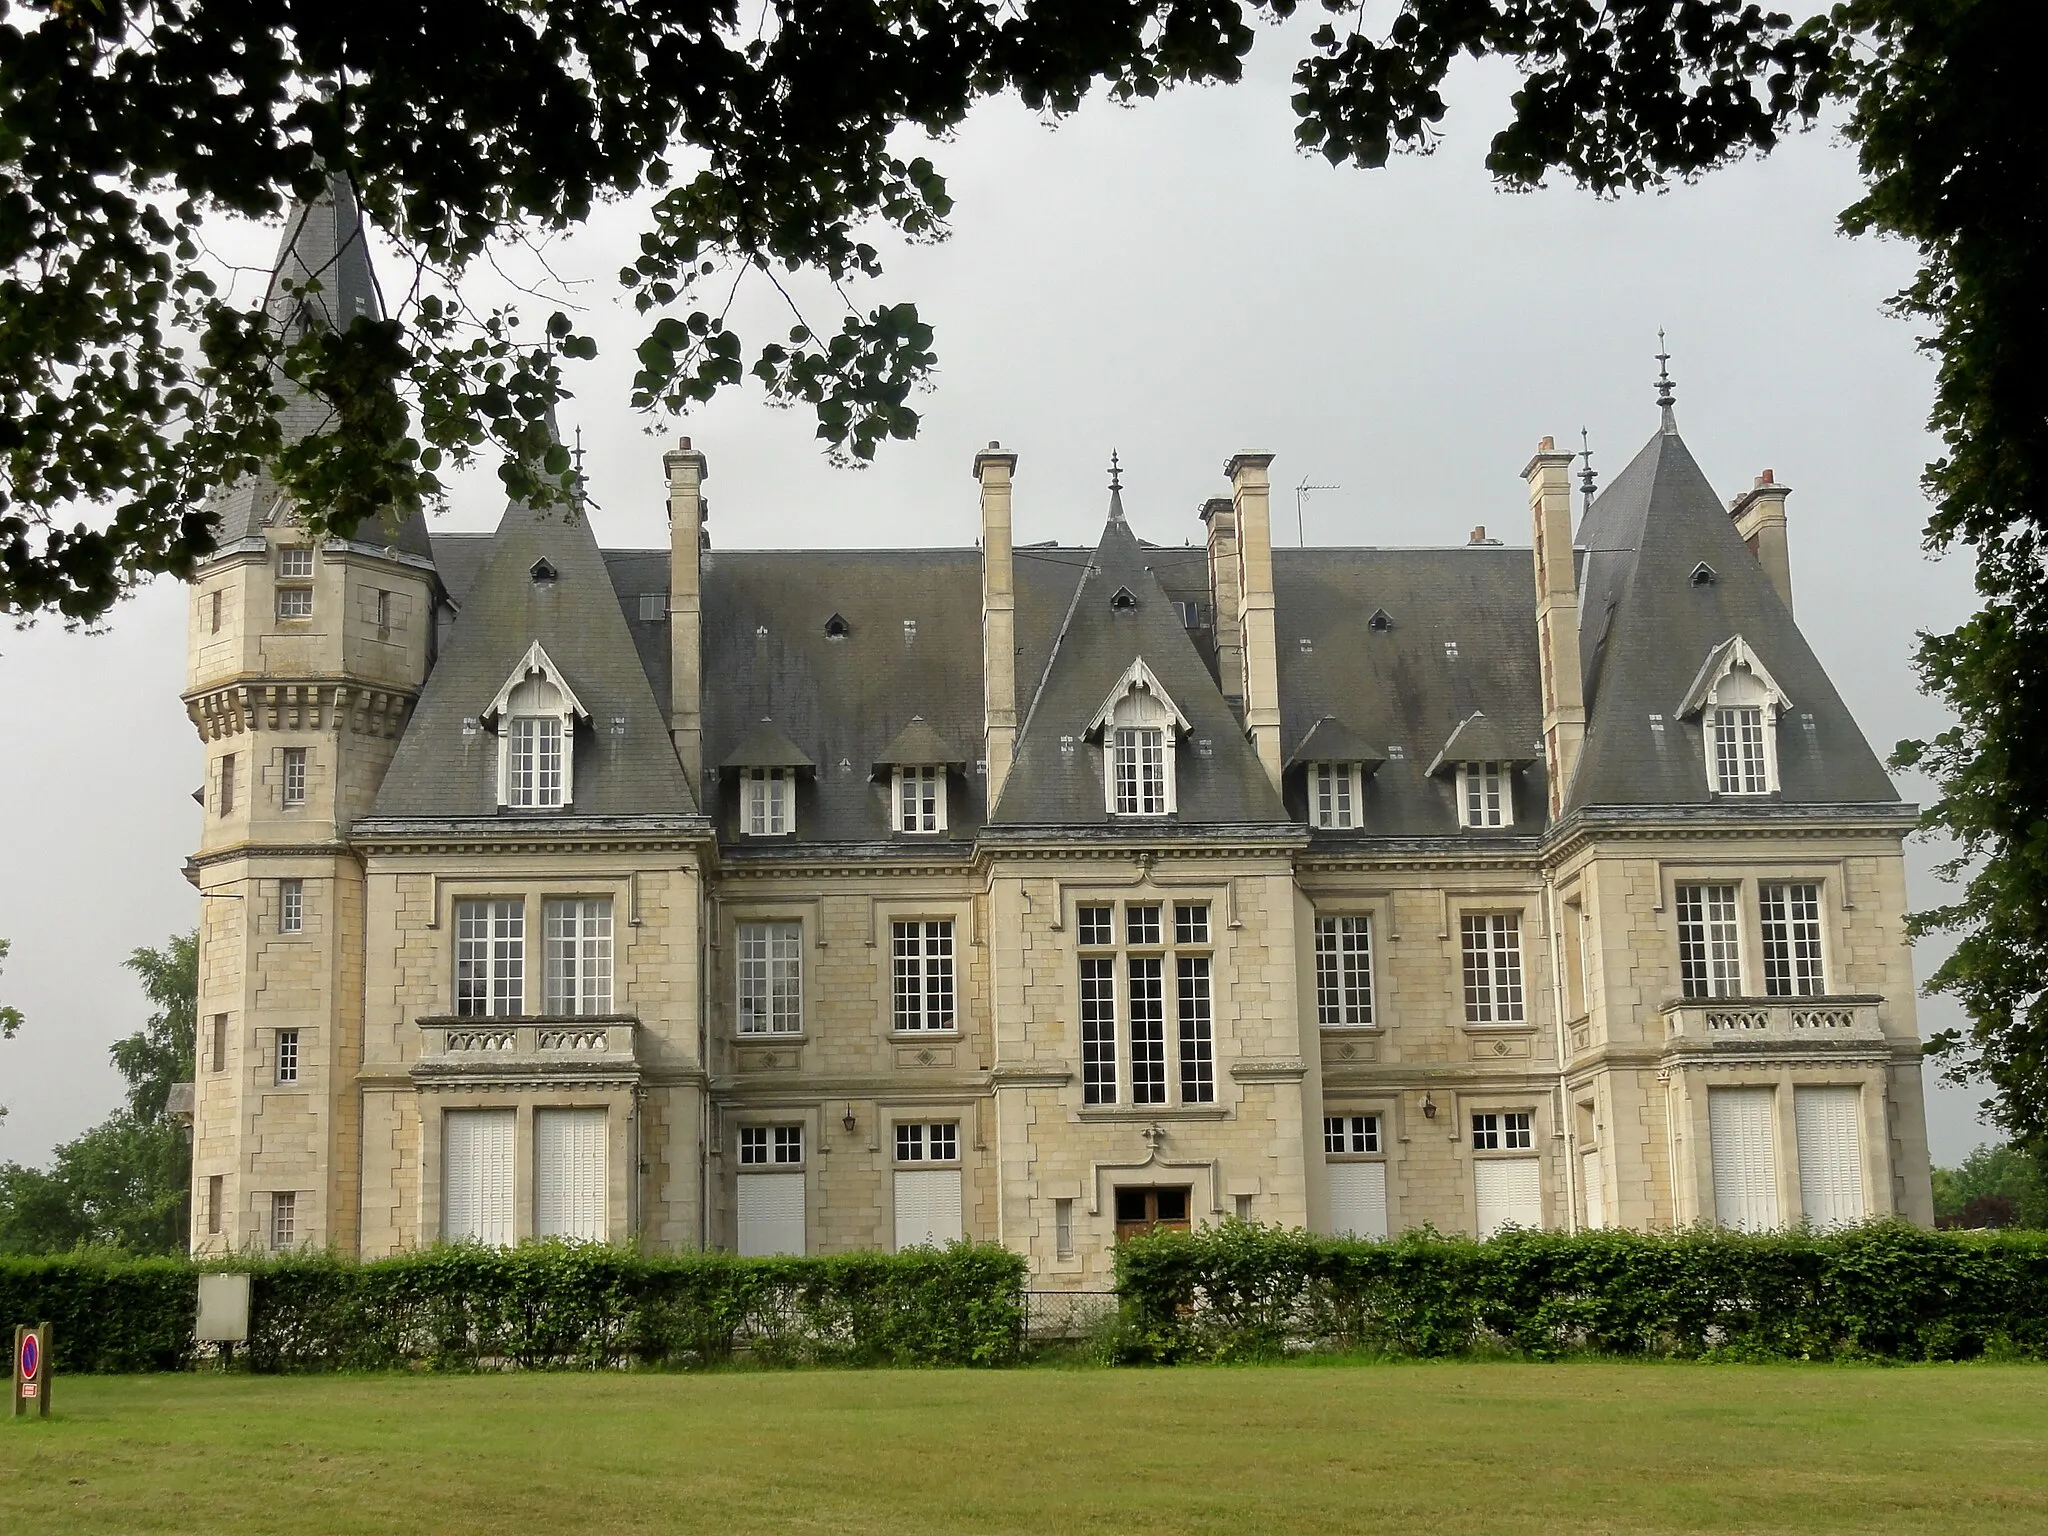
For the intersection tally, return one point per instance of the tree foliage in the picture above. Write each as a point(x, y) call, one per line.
point(2001, 1186)
point(125, 1183)
point(771, 137)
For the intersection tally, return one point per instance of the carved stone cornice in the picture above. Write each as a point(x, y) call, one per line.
point(312, 704)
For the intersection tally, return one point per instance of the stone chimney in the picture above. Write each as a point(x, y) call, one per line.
point(1557, 617)
point(1759, 514)
point(686, 516)
point(1250, 498)
point(1220, 519)
point(993, 467)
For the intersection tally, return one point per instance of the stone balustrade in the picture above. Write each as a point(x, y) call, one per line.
point(484, 1049)
point(1745, 1024)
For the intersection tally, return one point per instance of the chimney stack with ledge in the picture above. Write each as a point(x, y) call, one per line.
point(993, 468)
point(1759, 514)
point(687, 512)
point(1250, 497)
point(1221, 520)
point(1548, 476)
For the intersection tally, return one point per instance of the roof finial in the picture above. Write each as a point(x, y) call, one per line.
point(1665, 398)
point(1116, 488)
point(1585, 457)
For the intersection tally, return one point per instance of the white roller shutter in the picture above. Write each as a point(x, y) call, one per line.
point(476, 1154)
point(1592, 1179)
point(771, 1214)
point(927, 1207)
point(1739, 1125)
point(1830, 1154)
point(1510, 1191)
point(1358, 1199)
point(569, 1174)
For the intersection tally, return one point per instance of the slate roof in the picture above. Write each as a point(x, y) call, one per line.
point(321, 242)
point(1054, 781)
point(1330, 740)
point(1646, 628)
point(624, 763)
point(1479, 740)
point(1463, 638)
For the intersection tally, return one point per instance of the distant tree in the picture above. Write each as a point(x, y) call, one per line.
point(2001, 1186)
point(10, 1019)
point(125, 1182)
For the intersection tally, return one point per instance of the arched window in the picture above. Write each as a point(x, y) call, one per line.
point(1738, 703)
point(536, 723)
point(1141, 778)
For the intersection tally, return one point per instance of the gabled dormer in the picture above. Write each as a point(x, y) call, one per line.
point(534, 718)
point(1137, 728)
point(1333, 761)
point(1484, 763)
point(1737, 703)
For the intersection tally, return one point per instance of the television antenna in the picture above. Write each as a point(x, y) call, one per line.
point(1302, 492)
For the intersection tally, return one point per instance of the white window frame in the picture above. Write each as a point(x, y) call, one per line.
point(1486, 795)
point(1352, 1135)
point(1333, 795)
point(535, 716)
point(284, 1219)
point(768, 965)
point(767, 802)
point(576, 956)
point(1793, 929)
point(291, 906)
point(1140, 730)
point(1496, 983)
point(923, 985)
point(771, 1146)
point(292, 789)
point(927, 1142)
point(285, 1057)
point(294, 562)
point(1343, 945)
point(294, 583)
point(1154, 963)
point(490, 958)
point(1709, 917)
point(1739, 705)
point(1138, 771)
point(1503, 1130)
point(919, 798)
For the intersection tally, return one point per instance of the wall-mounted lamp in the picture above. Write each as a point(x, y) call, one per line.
point(847, 1119)
point(1428, 1107)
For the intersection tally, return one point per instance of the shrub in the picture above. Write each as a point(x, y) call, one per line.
point(1886, 1290)
point(547, 1305)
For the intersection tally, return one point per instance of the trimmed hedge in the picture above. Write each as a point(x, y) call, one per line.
point(547, 1305)
point(1886, 1290)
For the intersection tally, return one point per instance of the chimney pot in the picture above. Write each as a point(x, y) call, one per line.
point(1767, 478)
point(686, 445)
point(1547, 445)
point(993, 443)
point(1479, 534)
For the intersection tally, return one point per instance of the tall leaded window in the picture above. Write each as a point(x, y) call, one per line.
point(291, 906)
point(1709, 941)
point(1140, 771)
point(922, 961)
point(770, 978)
point(1333, 795)
point(921, 799)
point(536, 726)
point(1788, 912)
point(766, 802)
point(1344, 970)
point(490, 958)
point(1739, 721)
point(1492, 943)
point(578, 958)
point(1740, 767)
point(1485, 795)
point(1158, 951)
point(284, 1219)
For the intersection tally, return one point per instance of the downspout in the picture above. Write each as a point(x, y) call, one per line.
point(1564, 1121)
point(705, 917)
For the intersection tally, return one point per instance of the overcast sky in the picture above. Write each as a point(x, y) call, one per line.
point(1174, 282)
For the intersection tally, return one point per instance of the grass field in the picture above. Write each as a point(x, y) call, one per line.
point(1484, 1448)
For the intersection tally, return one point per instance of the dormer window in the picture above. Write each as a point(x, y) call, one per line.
point(1486, 795)
point(1333, 795)
point(768, 802)
point(1738, 703)
point(920, 799)
point(536, 726)
point(1137, 726)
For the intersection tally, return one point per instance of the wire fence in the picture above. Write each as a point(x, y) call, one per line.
point(1051, 1315)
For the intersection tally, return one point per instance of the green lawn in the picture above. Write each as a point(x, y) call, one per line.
point(1485, 1448)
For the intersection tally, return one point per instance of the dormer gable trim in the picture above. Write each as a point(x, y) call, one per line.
point(535, 661)
point(1730, 655)
point(1137, 678)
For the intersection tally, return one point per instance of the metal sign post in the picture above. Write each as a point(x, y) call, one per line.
point(32, 1370)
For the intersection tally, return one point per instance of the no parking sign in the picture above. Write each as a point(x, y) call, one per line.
point(32, 1370)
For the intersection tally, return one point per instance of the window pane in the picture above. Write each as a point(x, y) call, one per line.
point(1197, 1033)
point(294, 775)
point(1191, 923)
point(1789, 914)
point(1098, 1029)
point(1709, 941)
point(1141, 924)
point(578, 959)
point(922, 958)
point(1095, 925)
point(1740, 767)
point(770, 978)
point(1148, 1031)
point(1344, 971)
point(1493, 967)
